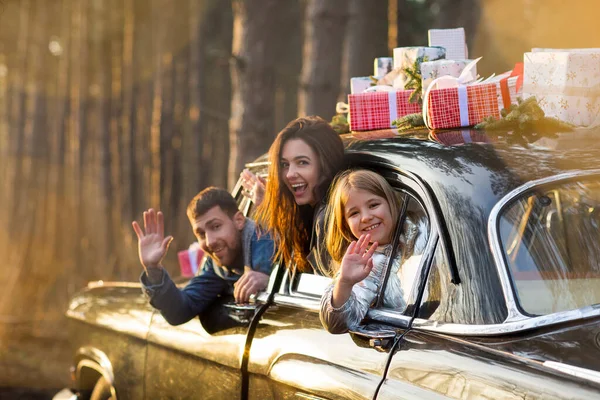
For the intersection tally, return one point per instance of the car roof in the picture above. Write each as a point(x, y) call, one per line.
point(468, 160)
point(468, 172)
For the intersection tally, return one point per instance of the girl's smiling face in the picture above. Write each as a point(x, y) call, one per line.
point(300, 170)
point(367, 213)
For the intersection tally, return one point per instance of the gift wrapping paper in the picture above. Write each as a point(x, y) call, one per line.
point(189, 260)
point(453, 40)
point(431, 70)
point(444, 105)
point(405, 57)
point(382, 66)
point(565, 83)
point(377, 110)
point(508, 89)
point(360, 84)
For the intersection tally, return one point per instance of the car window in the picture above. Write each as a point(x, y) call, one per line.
point(549, 237)
point(436, 303)
point(412, 235)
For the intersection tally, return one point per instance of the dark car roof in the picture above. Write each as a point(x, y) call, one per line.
point(468, 172)
point(450, 158)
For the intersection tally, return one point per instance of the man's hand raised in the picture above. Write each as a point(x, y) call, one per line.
point(152, 244)
point(250, 283)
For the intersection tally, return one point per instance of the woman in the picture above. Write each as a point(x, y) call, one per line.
point(304, 158)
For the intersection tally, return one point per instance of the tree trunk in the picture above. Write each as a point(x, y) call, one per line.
point(193, 136)
point(366, 39)
point(459, 13)
point(288, 66)
point(254, 59)
point(158, 41)
point(325, 24)
point(216, 44)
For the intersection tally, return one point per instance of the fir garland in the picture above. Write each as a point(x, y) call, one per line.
point(409, 121)
point(340, 124)
point(524, 118)
point(415, 81)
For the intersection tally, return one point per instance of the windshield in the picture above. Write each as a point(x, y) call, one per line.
point(551, 243)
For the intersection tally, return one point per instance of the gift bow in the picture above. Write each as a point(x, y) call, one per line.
point(447, 82)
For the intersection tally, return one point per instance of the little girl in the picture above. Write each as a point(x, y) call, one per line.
point(362, 206)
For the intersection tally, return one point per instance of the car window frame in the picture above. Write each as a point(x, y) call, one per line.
point(515, 321)
point(410, 184)
point(516, 313)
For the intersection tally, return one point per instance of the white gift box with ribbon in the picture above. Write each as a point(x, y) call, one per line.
point(566, 83)
point(360, 84)
point(431, 70)
point(453, 40)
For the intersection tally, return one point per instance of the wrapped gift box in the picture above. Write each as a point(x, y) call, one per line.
point(431, 70)
point(382, 66)
point(360, 84)
point(509, 86)
point(190, 259)
point(453, 40)
point(377, 110)
point(405, 57)
point(565, 83)
point(461, 106)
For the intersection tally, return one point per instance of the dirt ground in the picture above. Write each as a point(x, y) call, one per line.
point(32, 367)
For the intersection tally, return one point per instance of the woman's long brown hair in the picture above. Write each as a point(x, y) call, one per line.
point(279, 212)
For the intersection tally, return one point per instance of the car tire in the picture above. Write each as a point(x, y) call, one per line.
point(103, 390)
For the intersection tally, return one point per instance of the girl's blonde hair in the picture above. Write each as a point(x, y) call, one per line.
point(339, 235)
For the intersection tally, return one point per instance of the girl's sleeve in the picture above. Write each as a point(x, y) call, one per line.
point(353, 311)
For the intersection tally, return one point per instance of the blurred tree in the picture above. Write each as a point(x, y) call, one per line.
point(366, 39)
point(325, 27)
point(289, 64)
point(256, 28)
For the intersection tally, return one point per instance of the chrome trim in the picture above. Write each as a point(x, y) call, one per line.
point(100, 283)
point(389, 317)
point(261, 297)
point(514, 315)
point(258, 164)
point(312, 285)
point(582, 373)
point(298, 302)
point(506, 327)
point(95, 359)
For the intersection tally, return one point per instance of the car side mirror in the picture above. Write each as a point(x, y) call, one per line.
point(241, 313)
point(379, 337)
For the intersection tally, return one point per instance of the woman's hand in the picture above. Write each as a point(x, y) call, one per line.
point(254, 186)
point(356, 265)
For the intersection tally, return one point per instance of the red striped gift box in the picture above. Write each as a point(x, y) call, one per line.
point(443, 109)
point(377, 110)
point(189, 260)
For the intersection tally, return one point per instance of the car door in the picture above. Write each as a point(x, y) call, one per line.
point(293, 356)
point(199, 359)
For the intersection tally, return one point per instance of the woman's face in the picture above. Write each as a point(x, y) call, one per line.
point(299, 168)
point(367, 213)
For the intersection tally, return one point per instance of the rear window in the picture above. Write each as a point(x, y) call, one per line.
point(551, 242)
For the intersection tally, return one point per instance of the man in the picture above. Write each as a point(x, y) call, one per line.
point(238, 262)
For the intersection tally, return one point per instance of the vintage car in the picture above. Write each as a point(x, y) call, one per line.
point(503, 301)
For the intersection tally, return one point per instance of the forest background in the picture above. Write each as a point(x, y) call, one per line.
point(109, 107)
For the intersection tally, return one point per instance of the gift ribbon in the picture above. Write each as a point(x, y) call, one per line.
point(504, 90)
point(447, 82)
point(393, 106)
point(193, 254)
point(342, 108)
point(585, 91)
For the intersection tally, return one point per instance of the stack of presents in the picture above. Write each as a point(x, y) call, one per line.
point(442, 83)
